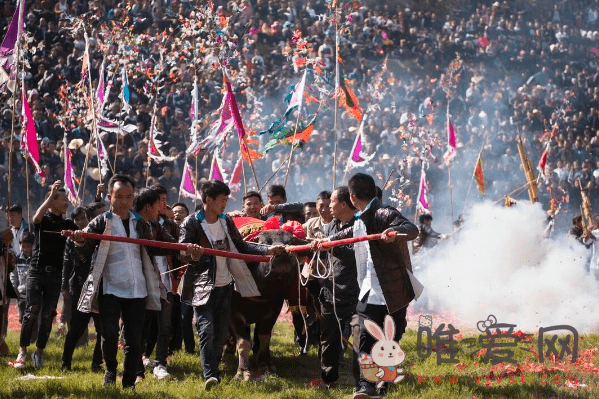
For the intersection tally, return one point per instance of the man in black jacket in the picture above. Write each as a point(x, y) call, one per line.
point(426, 233)
point(382, 265)
point(339, 293)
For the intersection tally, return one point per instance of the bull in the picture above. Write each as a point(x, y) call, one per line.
point(273, 280)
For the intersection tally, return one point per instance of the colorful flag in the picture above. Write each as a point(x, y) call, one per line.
point(69, 182)
point(479, 176)
point(451, 143)
point(235, 181)
point(188, 187)
point(29, 146)
point(125, 94)
point(154, 151)
point(8, 62)
point(357, 157)
point(422, 203)
point(298, 95)
point(349, 100)
point(215, 173)
point(543, 162)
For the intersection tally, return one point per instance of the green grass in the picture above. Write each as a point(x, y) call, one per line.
point(293, 375)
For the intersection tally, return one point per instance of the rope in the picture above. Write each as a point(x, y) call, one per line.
point(168, 245)
point(329, 256)
point(299, 302)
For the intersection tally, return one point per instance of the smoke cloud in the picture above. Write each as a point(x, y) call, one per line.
point(500, 264)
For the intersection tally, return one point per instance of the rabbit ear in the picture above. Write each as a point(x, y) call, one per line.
point(374, 329)
point(389, 327)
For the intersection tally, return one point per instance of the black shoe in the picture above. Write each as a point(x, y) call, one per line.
point(109, 378)
point(366, 392)
point(96, 368)
point(65, 367)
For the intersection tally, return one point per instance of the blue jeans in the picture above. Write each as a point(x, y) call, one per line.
point(212, 323)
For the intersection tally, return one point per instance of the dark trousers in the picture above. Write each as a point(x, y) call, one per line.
point(22, 303)
point(79, 323)
point(177, 335)
point(132, 311)
point(212, 323)
point(189, 339)
point(162, 321)
point(377, 314)
point(332, 346)
point(43, 291)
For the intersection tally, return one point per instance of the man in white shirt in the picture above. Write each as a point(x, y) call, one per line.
point(123, 279)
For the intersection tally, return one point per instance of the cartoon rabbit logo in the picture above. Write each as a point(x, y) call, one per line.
point(380, 365)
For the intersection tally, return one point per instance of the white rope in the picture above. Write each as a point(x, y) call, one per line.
point(299, 302)
point(334, 300)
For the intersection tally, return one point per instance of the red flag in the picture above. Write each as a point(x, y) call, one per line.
point(543, 161)
point(479, 176)
point(235, 182)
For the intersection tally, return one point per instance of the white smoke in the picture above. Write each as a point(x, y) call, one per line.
point(500, 264)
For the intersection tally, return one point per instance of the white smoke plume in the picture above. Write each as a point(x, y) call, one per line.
point(500, 264)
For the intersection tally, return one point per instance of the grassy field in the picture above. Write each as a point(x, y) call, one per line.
point(470, 379)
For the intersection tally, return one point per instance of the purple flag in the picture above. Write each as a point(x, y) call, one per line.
point(14, 30)
point(188, 188)
point(215, 173)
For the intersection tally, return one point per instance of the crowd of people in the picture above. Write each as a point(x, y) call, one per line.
point(523, 67)
point(138, 291)
point(495, 70)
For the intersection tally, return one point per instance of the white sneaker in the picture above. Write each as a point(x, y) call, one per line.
point(38, 360)
point(20, 362)
point(148, 363)
point(211, 382)
point(160, 372)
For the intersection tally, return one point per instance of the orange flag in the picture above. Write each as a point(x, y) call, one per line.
point(479, 176)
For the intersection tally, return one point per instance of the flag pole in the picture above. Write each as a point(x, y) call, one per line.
point(195, 183)
point(449, 170)
point(335, 99)
point(245, 183)
point(14, 106)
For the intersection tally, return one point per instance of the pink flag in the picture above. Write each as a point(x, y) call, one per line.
point(29, 146)
point(451, 143)
point(451, 133)
point(215, 173)
point(235, 182)
point(69, 182)
point(422, 200)
point(234, 109)
point(188, 188)
point(102, 154)
point(357, 157)
point(101, 91)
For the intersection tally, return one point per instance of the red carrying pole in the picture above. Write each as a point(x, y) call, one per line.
point(338, 243)
point(169, 245)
